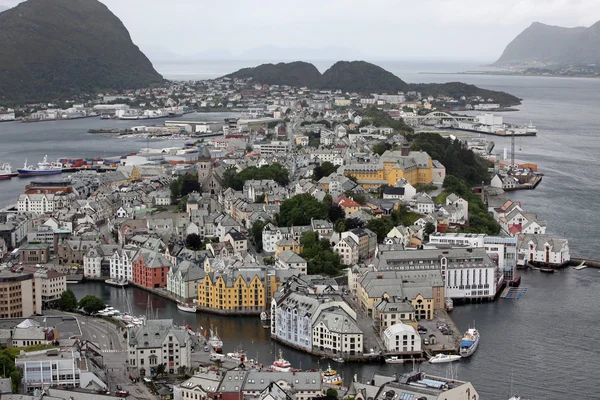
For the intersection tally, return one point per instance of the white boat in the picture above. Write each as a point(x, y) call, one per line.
point(215, 341)
point(5, 171)
point(449, 304)
point(338, 359)
point(237, 356)
point(216, 357)
point(444, 358)
point(186, 307)
point(117, 283)
point(469, 342)
point(580, 266)
point(281, 365)
point(394, 360)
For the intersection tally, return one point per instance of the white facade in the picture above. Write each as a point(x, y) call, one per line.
point(335, 331)
point(92, 262)
point(543, 249)
point(36, 203)
point(401, 338)
point(348, 250)
point(120, 265)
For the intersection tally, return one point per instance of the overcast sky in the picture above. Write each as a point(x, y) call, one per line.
point(373, 29)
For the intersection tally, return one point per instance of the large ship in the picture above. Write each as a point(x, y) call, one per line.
point(43, 168)
point(469, 342)
point(493, 125)
point(5, 172)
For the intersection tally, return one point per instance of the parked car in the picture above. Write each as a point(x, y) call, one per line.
point(425, 341)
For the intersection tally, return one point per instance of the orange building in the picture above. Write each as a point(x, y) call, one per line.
point(150, 269)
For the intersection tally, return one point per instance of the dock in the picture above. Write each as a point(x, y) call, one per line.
point(511, 292)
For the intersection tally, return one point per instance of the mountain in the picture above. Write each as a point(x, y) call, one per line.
point(547, 44)
point(361, 77)
point(57, 48)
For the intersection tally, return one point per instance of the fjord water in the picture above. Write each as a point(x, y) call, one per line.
point(547, 340)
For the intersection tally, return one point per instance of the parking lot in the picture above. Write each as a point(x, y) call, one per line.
point(442, 334)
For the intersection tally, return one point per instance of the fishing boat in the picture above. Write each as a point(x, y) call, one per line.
point(185, 307)
point(264, 318)
point(5, 171)
point(331, 376)
point(469, 342)
point(281, 364)
point(449, 304)
point(444, 358)
point(238, 355)
point(394, 360)
point(116, 282)
point(215, 341)
point(43, 168)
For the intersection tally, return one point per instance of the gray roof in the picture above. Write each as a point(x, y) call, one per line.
point(289, 256)
point(154, 332)
point(336, 319)
point(300, 381)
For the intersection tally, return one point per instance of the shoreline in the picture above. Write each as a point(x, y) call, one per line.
point(491, 73)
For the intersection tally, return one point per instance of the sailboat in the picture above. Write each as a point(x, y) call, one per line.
point(215, 341)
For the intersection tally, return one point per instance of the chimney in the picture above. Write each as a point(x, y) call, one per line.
point(405, 149)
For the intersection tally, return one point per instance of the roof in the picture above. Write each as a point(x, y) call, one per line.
point(289, 256)
point(392, 190)
point(337, 320)
point(398, 329)
point(300, 381)
point(154, 332)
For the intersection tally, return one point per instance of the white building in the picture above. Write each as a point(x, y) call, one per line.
point(401, 338)
point(159, 342)
point(36, 203)
point(335, 331)
point(423, 204)
point(182, 280)
point(198, 387)
point(272, 235)
point(348, 250)
point(121, 264)
point(290, 260)
point(273, 147)
point(543, 249)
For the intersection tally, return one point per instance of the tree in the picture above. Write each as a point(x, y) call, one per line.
point(67, 301)
point(235, 180)
point(360, 198)
point(331, 394)
point(193, 241)
point(429, 229)
point(256, 234)
point(184, 185)
point(317, 252)
point(380, 148)
point(381, 227)
point(299, 210)
point(91, 304)
point(335, 212)
point(160, 369)
point(324, 169)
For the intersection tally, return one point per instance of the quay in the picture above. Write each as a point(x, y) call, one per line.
point(526, 186)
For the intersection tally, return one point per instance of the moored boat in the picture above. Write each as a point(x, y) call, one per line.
point(5, 171)
point(117, 283)
point(469, 342)
point(547, 270)
point(43, 168)
point(215, 341)
point(331, 376)
point(186, 307)
point(444, 358)
point(338, 359)
point(394, 360)
point(281, 364)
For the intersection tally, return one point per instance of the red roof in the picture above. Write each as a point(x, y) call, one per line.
point(514, 229)
point(348, 203)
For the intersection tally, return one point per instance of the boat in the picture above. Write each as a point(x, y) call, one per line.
point(237, 356)
point(444, 358)
point(547, 270)
point(331, 376)
point(580, 266)
point(264, 317)
point(338, 359)
point(5, 171)
point(43, 168)
point(469, 342)
point(117, 283)
point(185, 307)
point(394, 360)
point(449, 304)
point(281, 364)
point(215, 341)
point(216, 357)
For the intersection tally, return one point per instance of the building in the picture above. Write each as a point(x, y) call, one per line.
point(121, 263)
point(401, 338)
point(335, 331)
point(240, 290)
point(34, 253)
point(183, 279)
point(198, 387)
point(416, 167)
point(159, 342)
point(348, 250)
point(392, 310)
point(290, 260)
point(366, 240)
point(20, 297)
point(282, 385)
point(36, 203)
point(56, 368)
point(30, 333)
point(467, 273)
point(52, 283)
point(150, 269)
point(206, 173)
point(543, 250)
point(238, 241)
point(42, 234)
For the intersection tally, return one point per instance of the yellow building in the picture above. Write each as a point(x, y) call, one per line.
point(244, 290)
point(288, 244)
point(416, 167)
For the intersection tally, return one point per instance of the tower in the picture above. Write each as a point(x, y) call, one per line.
point(205, 166)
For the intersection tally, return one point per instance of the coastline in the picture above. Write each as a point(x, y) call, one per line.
point(520, 74)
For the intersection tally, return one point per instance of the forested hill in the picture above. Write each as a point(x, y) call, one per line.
point(55, 48)
point(360, 77)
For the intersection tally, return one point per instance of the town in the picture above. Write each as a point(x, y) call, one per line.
point(349, 233)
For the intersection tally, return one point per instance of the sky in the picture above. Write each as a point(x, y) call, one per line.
point(365, 29)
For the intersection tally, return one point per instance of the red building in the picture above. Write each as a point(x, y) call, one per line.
point(150, 269)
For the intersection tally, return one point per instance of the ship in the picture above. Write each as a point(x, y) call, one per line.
point(116, 282)
point(186, 307)
point(331, 376)
point(443, 358)
point(281, 364)
point(264, 319)
point(5, 171)
point(493, 125)
point(43, 168)
point(469, 342)
point(215, 341)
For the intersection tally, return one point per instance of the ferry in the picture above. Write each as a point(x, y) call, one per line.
point(185, 307)
point(43, 168)
point(469, 342)
point(117, 283)
point(444, 358)
point(281, 365)
point(5, 171)
point(493, 125)
point(331, 376)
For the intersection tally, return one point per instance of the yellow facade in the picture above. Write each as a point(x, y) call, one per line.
point(241, 296)
point(390, 172)
point(285, 245)
point(423, 306)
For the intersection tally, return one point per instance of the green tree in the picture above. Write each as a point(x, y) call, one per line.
point(331, 394)
point(360, 198)
point(335, 213)
point(16, 376)
point(380, 148)
point(235, 180)
point(91, 304)
point(429, 229)
point(193, 241)
point(160, 369)
point(256, 234)
point(381, 227)
point(67, 301)
point(183, 185)
point(321, 259)
point(299, 210)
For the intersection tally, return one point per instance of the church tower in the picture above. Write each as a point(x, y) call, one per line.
point(205, 165)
